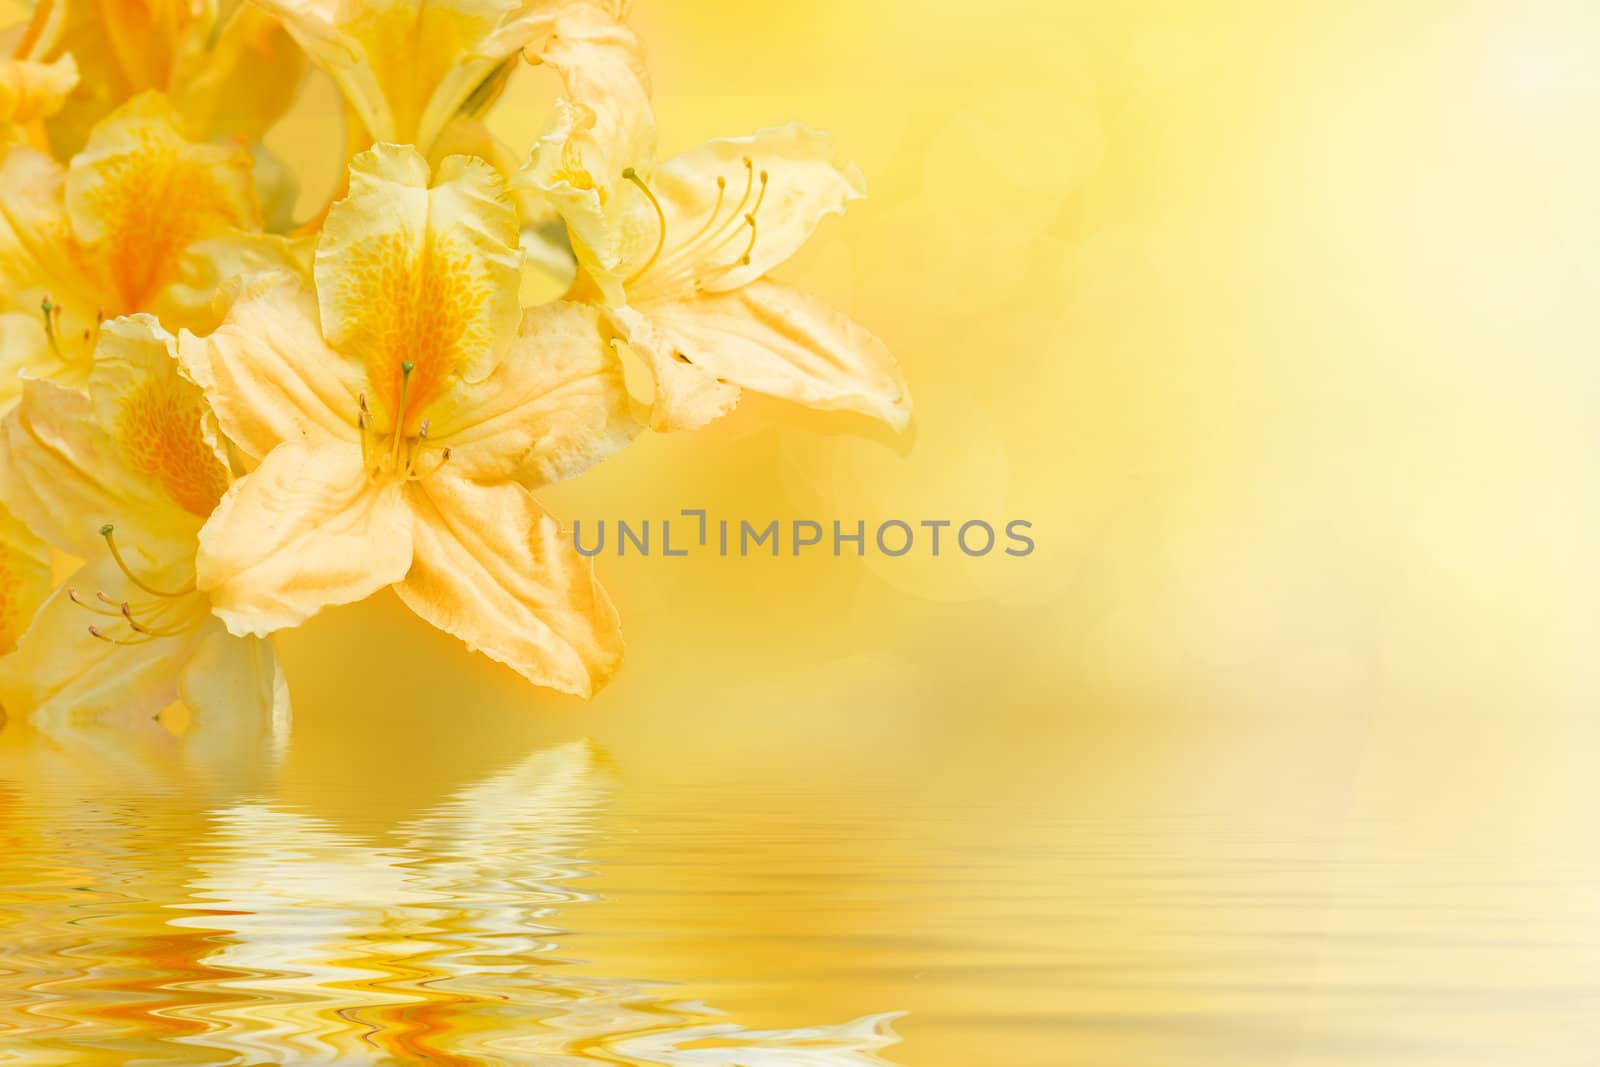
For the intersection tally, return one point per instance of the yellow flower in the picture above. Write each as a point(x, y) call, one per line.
point(397, 426)
point(678, 254)
point(230, 69)
point(142, 220)
point(123, 476)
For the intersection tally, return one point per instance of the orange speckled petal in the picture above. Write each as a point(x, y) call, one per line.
point(421, 271)
point(140, 194)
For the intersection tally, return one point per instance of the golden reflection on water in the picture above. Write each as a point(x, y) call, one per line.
point(1154, 892)
point(157, 916)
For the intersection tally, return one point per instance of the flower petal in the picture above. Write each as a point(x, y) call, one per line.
point(419, 271)
point(25, 573)
point(788, 344)
point(66, 477)
point(139, 194)
point(492, 568)
point(602, 125)
point(555, 406)
point(407, 68)
point(62, 670)
point(157, 419)
point(687, 396)
point(270, 376)
point(304, 531)
point(244, 81)
point(711, 245)
point(31, 90)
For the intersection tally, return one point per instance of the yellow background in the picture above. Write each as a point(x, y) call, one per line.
point(1280, 322)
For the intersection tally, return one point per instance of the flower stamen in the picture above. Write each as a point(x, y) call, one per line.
point(108, 531)
point(661, 222)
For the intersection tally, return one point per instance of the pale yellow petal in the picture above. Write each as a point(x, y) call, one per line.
point(788, 344)
point(140, 194)
point(157, 419)
point(304, 531)
point(210, 272)
point(31, 90)
point(66, 477)
point(736, 208)
point(269, 375)
point(61, 670)
point(406, 67)
point(244, 82)
point(602, 125)
point(555, 406)
point(25, 573)
point(497, 572)
point(421, 271)
point(687, 396)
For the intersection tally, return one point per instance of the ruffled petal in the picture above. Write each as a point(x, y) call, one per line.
point(304, 531)
point(555, 406)
point(420, 271)
point(687, 396)
point(601, 126)
point(784, 343)
point(492, 568)
point(270, 376)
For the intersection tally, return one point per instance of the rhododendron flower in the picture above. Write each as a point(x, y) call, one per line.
point(142, 220)
point(398, 415)
point(678, 254)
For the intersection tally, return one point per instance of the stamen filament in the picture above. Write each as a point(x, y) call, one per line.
point(108, 531)
point(661, 223)
point(400, 413)
point(95, 631)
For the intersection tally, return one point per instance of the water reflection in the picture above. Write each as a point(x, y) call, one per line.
point(161, 908)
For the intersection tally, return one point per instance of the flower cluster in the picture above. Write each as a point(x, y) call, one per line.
point(231, 418)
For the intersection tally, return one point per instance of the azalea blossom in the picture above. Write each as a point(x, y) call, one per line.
point(142, 220)
point(678, 253)
point(396, 418)
point(123, 476)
